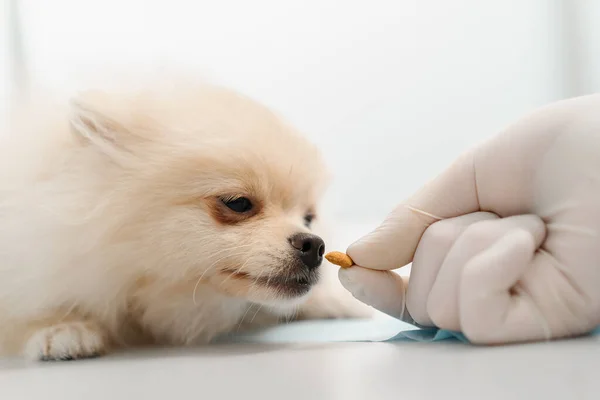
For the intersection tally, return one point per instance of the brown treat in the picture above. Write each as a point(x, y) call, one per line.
point(340, 259)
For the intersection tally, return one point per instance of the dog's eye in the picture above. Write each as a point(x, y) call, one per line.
point(239, 205)
point(308, 219)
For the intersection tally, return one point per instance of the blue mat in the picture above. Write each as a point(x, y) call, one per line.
point(380, 329)
point(429, 335)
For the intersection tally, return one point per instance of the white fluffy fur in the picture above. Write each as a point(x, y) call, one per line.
point(107, 237)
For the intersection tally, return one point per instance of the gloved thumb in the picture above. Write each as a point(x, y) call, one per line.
point(393, 244)
point(383, 290)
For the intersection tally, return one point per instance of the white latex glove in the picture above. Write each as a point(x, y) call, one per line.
point(505, 244)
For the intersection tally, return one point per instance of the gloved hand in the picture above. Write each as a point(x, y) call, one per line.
point(505, 244)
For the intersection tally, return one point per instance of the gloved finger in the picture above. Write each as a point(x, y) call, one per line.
point(433, 248)
point(493, 309)
point(382, 290)
point(443, 301)
point(393, 244)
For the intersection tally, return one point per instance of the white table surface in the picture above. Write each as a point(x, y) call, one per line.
point(321, 370)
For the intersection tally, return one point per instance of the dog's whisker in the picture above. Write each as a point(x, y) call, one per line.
point(269, 278)
point(244, 316)
point(290, 317)
point(205, 271)
point(255, 282)
point(254, 316)
point(235, 272)
point(231, 249)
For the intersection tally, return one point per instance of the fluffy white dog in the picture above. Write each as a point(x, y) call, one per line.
point(156, 216)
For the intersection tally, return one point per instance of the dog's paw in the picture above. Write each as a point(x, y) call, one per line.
point(66, 341)
point(329, 305)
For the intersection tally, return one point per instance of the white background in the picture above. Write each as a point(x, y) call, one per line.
point(391, 90)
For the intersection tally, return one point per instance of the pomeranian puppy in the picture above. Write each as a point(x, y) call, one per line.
point(160, 216)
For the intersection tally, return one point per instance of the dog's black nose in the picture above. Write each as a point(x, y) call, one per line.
point(310, 249)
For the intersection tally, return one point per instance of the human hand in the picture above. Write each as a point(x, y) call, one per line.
point(505, 244)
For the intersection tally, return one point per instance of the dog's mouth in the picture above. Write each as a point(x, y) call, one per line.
point(289, 285)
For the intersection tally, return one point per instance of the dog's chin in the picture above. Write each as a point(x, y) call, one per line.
point(287, 286)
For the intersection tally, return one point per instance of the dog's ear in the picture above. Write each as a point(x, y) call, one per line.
point(94, 127)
